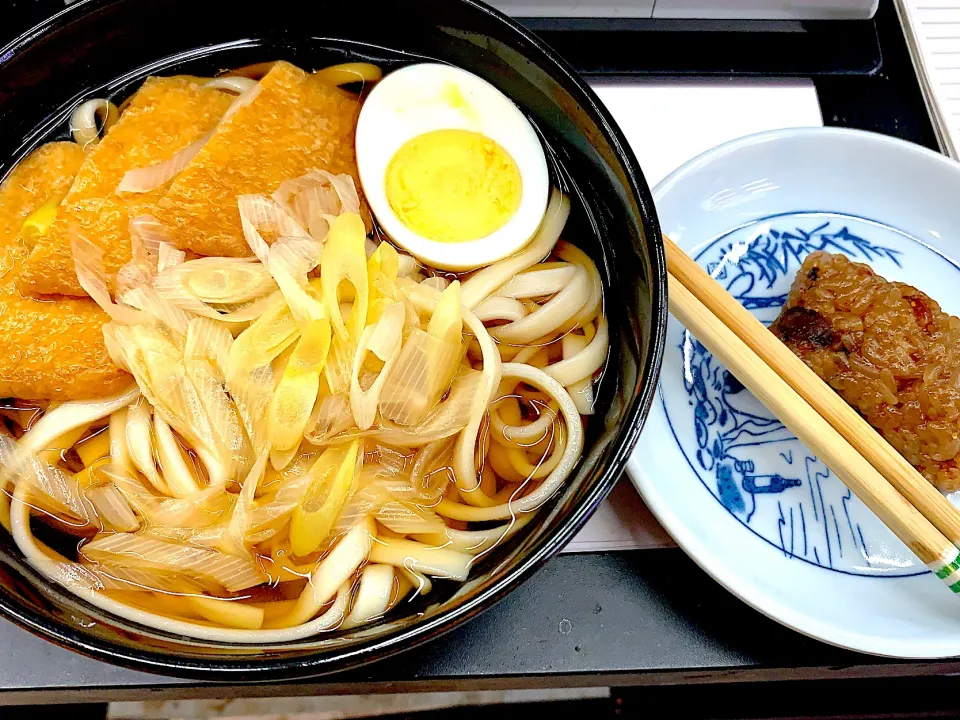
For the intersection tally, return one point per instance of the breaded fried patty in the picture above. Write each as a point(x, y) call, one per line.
point(888, 350)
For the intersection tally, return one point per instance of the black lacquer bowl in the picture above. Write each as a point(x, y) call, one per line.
point(99, 47)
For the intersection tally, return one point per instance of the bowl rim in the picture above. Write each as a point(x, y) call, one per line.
point(418, 633)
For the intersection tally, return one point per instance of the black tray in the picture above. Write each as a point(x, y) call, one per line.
point(628, 618)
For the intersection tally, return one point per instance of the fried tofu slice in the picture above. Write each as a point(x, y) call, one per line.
point(52, 349)
point(296, 123)
point(163, 117)
point(45, 175)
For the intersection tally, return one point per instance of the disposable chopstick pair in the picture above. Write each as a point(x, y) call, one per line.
point(895, 492)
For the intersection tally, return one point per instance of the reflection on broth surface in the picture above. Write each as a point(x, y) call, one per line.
point(271, 421)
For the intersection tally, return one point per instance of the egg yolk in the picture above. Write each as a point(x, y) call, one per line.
point(453, 185)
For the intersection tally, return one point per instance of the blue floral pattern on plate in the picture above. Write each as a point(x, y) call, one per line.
point(753, 466)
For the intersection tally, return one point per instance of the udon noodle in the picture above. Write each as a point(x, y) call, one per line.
point(317, 432)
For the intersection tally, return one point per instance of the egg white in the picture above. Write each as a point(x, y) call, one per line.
point(416, 100)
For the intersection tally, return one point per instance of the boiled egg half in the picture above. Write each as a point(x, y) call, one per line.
point(451, 168)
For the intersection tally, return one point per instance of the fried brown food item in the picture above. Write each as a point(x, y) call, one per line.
point(296, 123)
point(163, 117)
point(52, 349)
point(888, 350)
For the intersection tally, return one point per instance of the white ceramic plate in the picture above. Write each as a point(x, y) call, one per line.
point(745, 499)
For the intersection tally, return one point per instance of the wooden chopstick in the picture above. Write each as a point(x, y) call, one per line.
point(857, 431)
point(856, 472)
